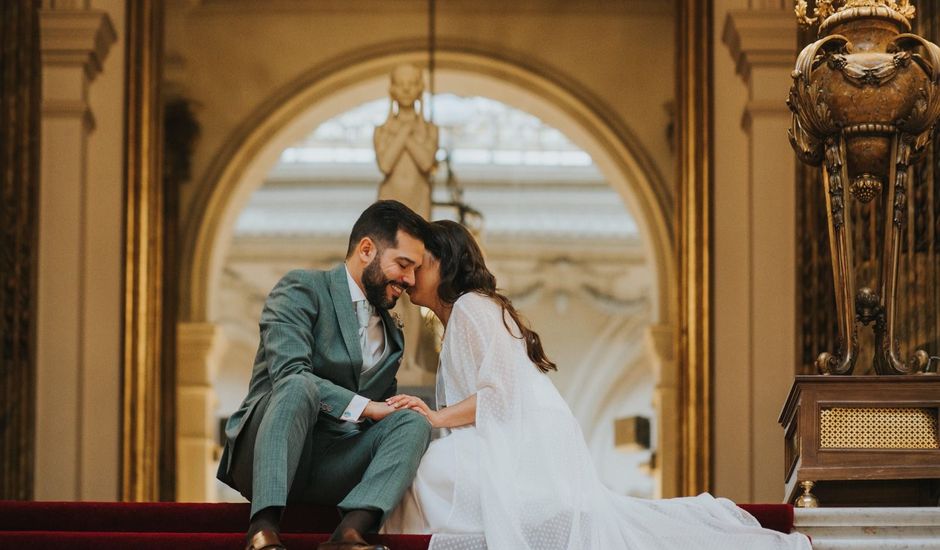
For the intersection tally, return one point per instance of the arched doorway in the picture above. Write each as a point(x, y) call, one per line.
point(243, 167)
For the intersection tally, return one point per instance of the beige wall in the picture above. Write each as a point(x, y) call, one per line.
point(732, 443)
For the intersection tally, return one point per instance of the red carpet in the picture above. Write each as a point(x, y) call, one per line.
point(185, 526)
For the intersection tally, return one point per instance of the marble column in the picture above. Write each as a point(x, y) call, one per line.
point(74, 43)
point(201, 347)
point(755, 374)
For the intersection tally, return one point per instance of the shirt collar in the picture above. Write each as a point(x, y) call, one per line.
point(354, 291)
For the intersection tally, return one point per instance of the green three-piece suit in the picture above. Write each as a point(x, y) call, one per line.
point(287, 441)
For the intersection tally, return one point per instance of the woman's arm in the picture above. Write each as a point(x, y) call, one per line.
point(461, 414)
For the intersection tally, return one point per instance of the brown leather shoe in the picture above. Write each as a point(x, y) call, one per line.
point(265, 539)
point(350, 545)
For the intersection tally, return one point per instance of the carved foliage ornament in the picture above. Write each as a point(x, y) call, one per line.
point(826, 8)
point(811, 119)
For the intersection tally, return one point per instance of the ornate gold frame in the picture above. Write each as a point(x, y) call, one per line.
point(142, 417)
point(694, 132)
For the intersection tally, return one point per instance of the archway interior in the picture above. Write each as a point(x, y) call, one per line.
point(559, 237)
point(263, 153)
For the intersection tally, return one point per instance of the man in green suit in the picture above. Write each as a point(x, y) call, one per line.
point(314, 426)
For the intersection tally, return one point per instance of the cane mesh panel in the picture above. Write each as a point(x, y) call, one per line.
point(878, 428)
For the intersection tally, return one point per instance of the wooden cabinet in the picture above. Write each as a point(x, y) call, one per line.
point(863, 440)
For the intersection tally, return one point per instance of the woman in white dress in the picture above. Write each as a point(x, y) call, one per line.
point(514, 473)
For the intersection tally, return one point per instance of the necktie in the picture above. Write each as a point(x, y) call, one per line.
point(364, 312)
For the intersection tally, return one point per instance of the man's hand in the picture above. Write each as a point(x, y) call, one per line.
point(376, 410)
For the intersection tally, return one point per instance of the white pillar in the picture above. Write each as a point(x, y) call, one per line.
point(74, 43)
point(660, 345)
point(200, 348)
point(754, 374)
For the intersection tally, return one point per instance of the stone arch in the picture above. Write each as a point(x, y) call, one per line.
point(343, 83)
point(324, 91)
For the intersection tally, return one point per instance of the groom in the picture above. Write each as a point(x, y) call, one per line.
point(314, 426)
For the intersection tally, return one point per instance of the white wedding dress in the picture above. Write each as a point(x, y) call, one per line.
point(521, 478)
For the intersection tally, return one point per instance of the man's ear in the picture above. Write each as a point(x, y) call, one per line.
point(366, 250)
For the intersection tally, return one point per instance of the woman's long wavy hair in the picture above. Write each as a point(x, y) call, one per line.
point(463, 270)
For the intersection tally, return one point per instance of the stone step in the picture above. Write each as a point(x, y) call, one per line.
point(870, 528)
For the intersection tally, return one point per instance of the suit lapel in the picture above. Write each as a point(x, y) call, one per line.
point(346, 315)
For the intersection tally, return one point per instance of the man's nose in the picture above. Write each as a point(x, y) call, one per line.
point(409, 277)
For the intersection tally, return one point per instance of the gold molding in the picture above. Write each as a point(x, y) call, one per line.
point(694, 132)
point(142, 417)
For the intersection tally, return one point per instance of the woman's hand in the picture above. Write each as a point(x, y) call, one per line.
point(452, 416)
point(401, 402)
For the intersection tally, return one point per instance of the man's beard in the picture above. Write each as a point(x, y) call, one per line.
point(374, 282)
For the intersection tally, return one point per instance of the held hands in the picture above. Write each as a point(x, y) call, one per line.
point(377, 410)
point(402, 401)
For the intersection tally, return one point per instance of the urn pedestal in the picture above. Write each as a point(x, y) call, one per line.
point(862, 441)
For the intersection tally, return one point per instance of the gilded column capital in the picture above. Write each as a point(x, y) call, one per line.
point(760, 38)
point(76, 38)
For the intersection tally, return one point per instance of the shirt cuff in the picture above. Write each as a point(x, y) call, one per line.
point(354, 411)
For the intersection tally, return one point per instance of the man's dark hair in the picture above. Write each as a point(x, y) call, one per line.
point(381, 222)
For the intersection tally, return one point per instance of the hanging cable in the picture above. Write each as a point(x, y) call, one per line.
point(432, 38)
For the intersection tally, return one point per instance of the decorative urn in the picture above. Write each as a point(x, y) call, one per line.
point(864, 102)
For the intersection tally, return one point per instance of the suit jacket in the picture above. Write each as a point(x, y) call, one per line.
point(309, 325)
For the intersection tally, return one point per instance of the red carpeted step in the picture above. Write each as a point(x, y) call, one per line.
point(199, 518)
point(89, 540)
point(142, 517)
point(778, 517)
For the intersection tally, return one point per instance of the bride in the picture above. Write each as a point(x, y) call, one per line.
point(514, 471)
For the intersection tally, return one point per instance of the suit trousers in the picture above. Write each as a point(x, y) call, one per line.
point(286, 454)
